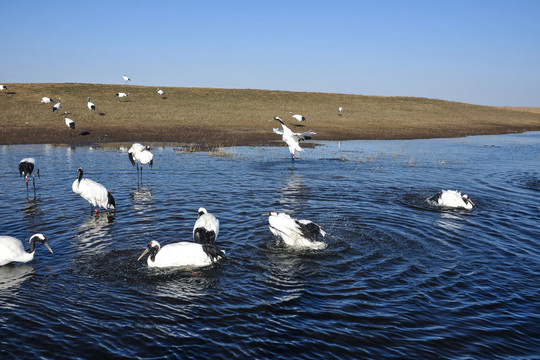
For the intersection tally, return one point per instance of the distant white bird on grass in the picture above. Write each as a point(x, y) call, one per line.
point(93, 192)
point(206, 227)
point(452, 199)
point(121, 95)
point(91, 105)
point(56, 106)
point(26, 168)
point(160, 92)
point(46, 100)
point(340, 110)
point(12, 249)
point(298, 117)
point(181, 254)
point(292, 139)
point(69, 123)
point(3, 87)
point(299, 234)
point(140, 154)
point(126, 78)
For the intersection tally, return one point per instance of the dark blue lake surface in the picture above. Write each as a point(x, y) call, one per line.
point(398, 279)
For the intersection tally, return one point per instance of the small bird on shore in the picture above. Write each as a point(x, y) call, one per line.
point(46, 100)
point(91, 105)
point(206, 227)
point(181, 254)
point(12, 249)
point(69, 123)
point(292, 139)
point(26, 168)
point(93, 192)
point(121, 95)
point(56, 106)
point(126, 78)
point(300, 234)
point(298, 117)
point(452, 199)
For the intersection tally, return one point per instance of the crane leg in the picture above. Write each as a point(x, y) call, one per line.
point(26, 180)
point(34, 184)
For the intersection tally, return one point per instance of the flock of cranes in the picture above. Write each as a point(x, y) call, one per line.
point(203, 251)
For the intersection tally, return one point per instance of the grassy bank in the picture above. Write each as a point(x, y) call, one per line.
point(237, 117)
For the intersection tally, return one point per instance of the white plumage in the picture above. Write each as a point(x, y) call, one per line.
point(46, 100)
point(160, 92)
point(69, 123)
point(12, 250)
point(292, 139)
point(452, 199)
point(3, 87)
point(26, 168)
point(56, 106)
point(93, 192)
point(300, 234)
point(181, 254)
point(121, 94)
point(298, 117)
point(91, 105)
point(126, 78)
point(340, 110)
point(206, 227)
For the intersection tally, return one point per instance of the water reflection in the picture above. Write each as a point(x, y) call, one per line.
point(32, 207)
point(12, 276)
point(94, 232)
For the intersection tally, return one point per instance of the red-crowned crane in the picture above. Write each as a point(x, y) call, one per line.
point(93, 192)
point(299, 234)
point(298, 117)
point(292, 139)
point(56, 106)
point(183, 253)
point(452, 199)
point(46, 100)
point(126, 78)
point(206, 227)
point(91, 105)
point(26, 168)
point(12, 249)
point(140, 154)
point(69, 123)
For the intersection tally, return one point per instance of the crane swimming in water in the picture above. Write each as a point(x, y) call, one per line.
point(12, 250)
point(183, 253)
point(300, 234)
point(452, 199)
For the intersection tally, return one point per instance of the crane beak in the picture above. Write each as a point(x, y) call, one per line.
point(471, 202)
point(265, 214)
point(48, 247)
point(144, 253)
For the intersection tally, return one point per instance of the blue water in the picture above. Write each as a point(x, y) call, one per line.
point(398, 279)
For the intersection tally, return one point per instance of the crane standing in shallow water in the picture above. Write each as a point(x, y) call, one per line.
point(292, 139)
point(26, 168)
point(93, 192)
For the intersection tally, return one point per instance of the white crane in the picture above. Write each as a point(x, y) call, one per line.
point(340, 110)
point(12, 250)
point(46, 100)
point(91, 105)
point(26, 168)
point(121, 95)
point(452, 199)
point(69, 123)
point(93, 192)
point(160, 92)
point(206, 227)
point(56, 106)
point(140, 154)
point(298, 117)
point(299, 234)
point(292, 139)
point(126, 78)
point(183, 253)
point(3, 87)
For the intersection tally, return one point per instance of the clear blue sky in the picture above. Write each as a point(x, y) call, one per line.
point(479, 52)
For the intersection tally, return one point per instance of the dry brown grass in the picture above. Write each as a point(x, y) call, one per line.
point(237, 117)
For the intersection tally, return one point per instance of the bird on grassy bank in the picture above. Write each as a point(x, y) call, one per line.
point(121, 95)
point(3, 87)
point(340, 110)
point(452, 199)
point(298, 117)
point(91, 105)
point(181, 254)
point(299, 234)
point(161, 92)
point(12, 249)
point(26, 168)
point(69, 123)
point(126, 78)
point(56, 106)
point(206, 227)
point(140, 154)
point(46, 100)
point(93, 192)
point(292, 139)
